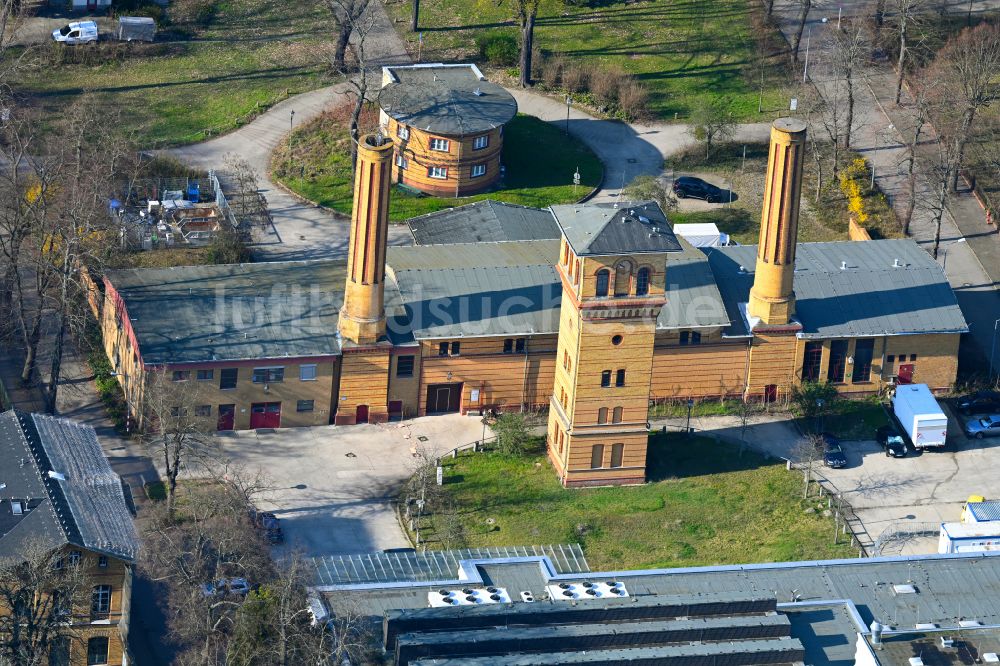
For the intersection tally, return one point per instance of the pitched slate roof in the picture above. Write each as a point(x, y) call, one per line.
point(693, 299)
point(484, 221)
point(850, 289)
point(454, 100)
point(57, 469)
point(604, 228)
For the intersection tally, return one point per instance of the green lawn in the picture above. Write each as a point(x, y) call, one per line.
point(705, 506)
point(540, 160)
point(197, 80)
point(682, 50)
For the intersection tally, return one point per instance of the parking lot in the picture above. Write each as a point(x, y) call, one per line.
point(333, 486)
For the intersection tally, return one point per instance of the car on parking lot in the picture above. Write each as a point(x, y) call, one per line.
point(696, 188)
point(224, 586)
point(891, 440)
point(833, 453)
point(986, 426)
point(981, 402)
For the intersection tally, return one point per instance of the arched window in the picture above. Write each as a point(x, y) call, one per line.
point(616, 416)
point(642, 282)
point(603, 280)
point(602, 415)
point(565, 253)
point(623, 278)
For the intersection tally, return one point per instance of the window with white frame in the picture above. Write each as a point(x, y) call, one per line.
point(268, 375)
point(402, 162)
point(481, 142)
point(440, 145)
point(440, 173)
point(478, 170)
point(307, 373)
point(402, 131)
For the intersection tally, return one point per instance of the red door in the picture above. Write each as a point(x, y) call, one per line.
point(361, 414)
point(227, 417)
point(770, 393)
point(265, 415)
point(905, 374)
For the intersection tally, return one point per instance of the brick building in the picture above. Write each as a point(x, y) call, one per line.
point(501, 306)
point(60, 495)
point(446, 122)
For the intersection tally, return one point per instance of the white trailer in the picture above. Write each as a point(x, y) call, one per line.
point(136, 29)
point(969, 537)
point(920, 416)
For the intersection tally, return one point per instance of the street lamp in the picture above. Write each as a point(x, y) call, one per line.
point(687, 429)
point(569, 102)
point(944, 249)
point(291, 137)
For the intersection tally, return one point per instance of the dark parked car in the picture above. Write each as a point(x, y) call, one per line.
point(268, 523)
point(890, 440)
point(987, 426)
point(981, 402)
point(833, 454)
point(696, 188)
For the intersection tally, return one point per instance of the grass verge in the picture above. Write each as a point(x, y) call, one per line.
point(539, 157)
point(199, 79)
point(705, 505)
point(683, 52)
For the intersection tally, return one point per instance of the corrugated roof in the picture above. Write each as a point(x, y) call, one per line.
point(851, 289)
point(58, 469)
point(483, 221)
point(454, 100)
point(606, 228)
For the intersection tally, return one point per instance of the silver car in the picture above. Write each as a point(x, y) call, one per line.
point(987, 426)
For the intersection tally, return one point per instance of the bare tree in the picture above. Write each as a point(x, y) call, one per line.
point(359, 18)
point(526, 11)
point(904, 17)
point(803, 17)
point(40, 592)
point(747, 410)
point(174, 432)
point(421, 489)
point(808, 454)
point(921, 114)
point(346, 14)
point(848, 49)
point(964, 70)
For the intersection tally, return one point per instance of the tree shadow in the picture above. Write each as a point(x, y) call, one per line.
point(677, 456)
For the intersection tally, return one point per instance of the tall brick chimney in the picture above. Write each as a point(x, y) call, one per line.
point(772, 298)
point(362, 319)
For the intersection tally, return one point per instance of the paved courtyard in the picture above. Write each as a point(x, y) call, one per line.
point(920, 490)
point(333, 486)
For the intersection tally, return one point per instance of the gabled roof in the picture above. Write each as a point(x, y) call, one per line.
point(454, 100)
point(69, 495)
point(484, 221)
point(850, 289)
point(605, 229)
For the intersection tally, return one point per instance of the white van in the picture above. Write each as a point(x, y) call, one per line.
point(77, 32)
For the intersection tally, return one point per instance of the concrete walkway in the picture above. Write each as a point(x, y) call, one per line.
point(878, 135)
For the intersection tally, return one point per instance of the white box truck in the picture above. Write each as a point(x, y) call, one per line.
point(969, 537)
point(920, 416)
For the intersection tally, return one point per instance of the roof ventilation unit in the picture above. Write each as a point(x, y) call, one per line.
point(991, 658)
point(527, 597)
point(925, 626)
point(896, 263)
point(947, 642)
point(904, 588)
point(586, 590)
point(843, 265)
point(467, 597)
point(916, 661)
point(478, 92)
point(969, 624)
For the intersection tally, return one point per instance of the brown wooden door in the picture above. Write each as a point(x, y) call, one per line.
point(227, 417)
point(361, 414)
point(443, 398)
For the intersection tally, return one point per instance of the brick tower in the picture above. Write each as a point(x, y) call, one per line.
point(771, 308)
point(772, 299)
point(364, 372)
point(613, 270)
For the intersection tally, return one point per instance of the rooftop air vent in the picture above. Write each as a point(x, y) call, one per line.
point(587, 590)
point(904, 588)
point(467, 597)
point(991, 658)
point(58, 476)
point(896, 263)
point(843, 265)
point(916, 661)
point(947, 642)
point(969, 624)
point(925, 626)
point(478, 92)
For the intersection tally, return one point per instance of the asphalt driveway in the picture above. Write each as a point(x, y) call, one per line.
point(333, 486)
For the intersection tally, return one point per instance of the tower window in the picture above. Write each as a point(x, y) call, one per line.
point(519, 345)
point(602, 415)
point(443, 349)
point(617, 454)
point(606, 378)
point(642, 282)
point(616, 340)
point(620, 377)
point(456, 348)
point(508, 345)
point(597, 456)
point(623, 278)
point(404, 366)
point(617, 415)
point(603, 281)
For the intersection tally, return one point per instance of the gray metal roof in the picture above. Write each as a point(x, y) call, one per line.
point(606, 228)
point(482, 289)
point(453, 100)
point(483, 221)
point(693, 299)
point(57, 468)
point(851, 289)
point(193, 314)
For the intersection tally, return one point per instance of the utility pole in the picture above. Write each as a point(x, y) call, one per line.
point(569, 103)
point(805, 69)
